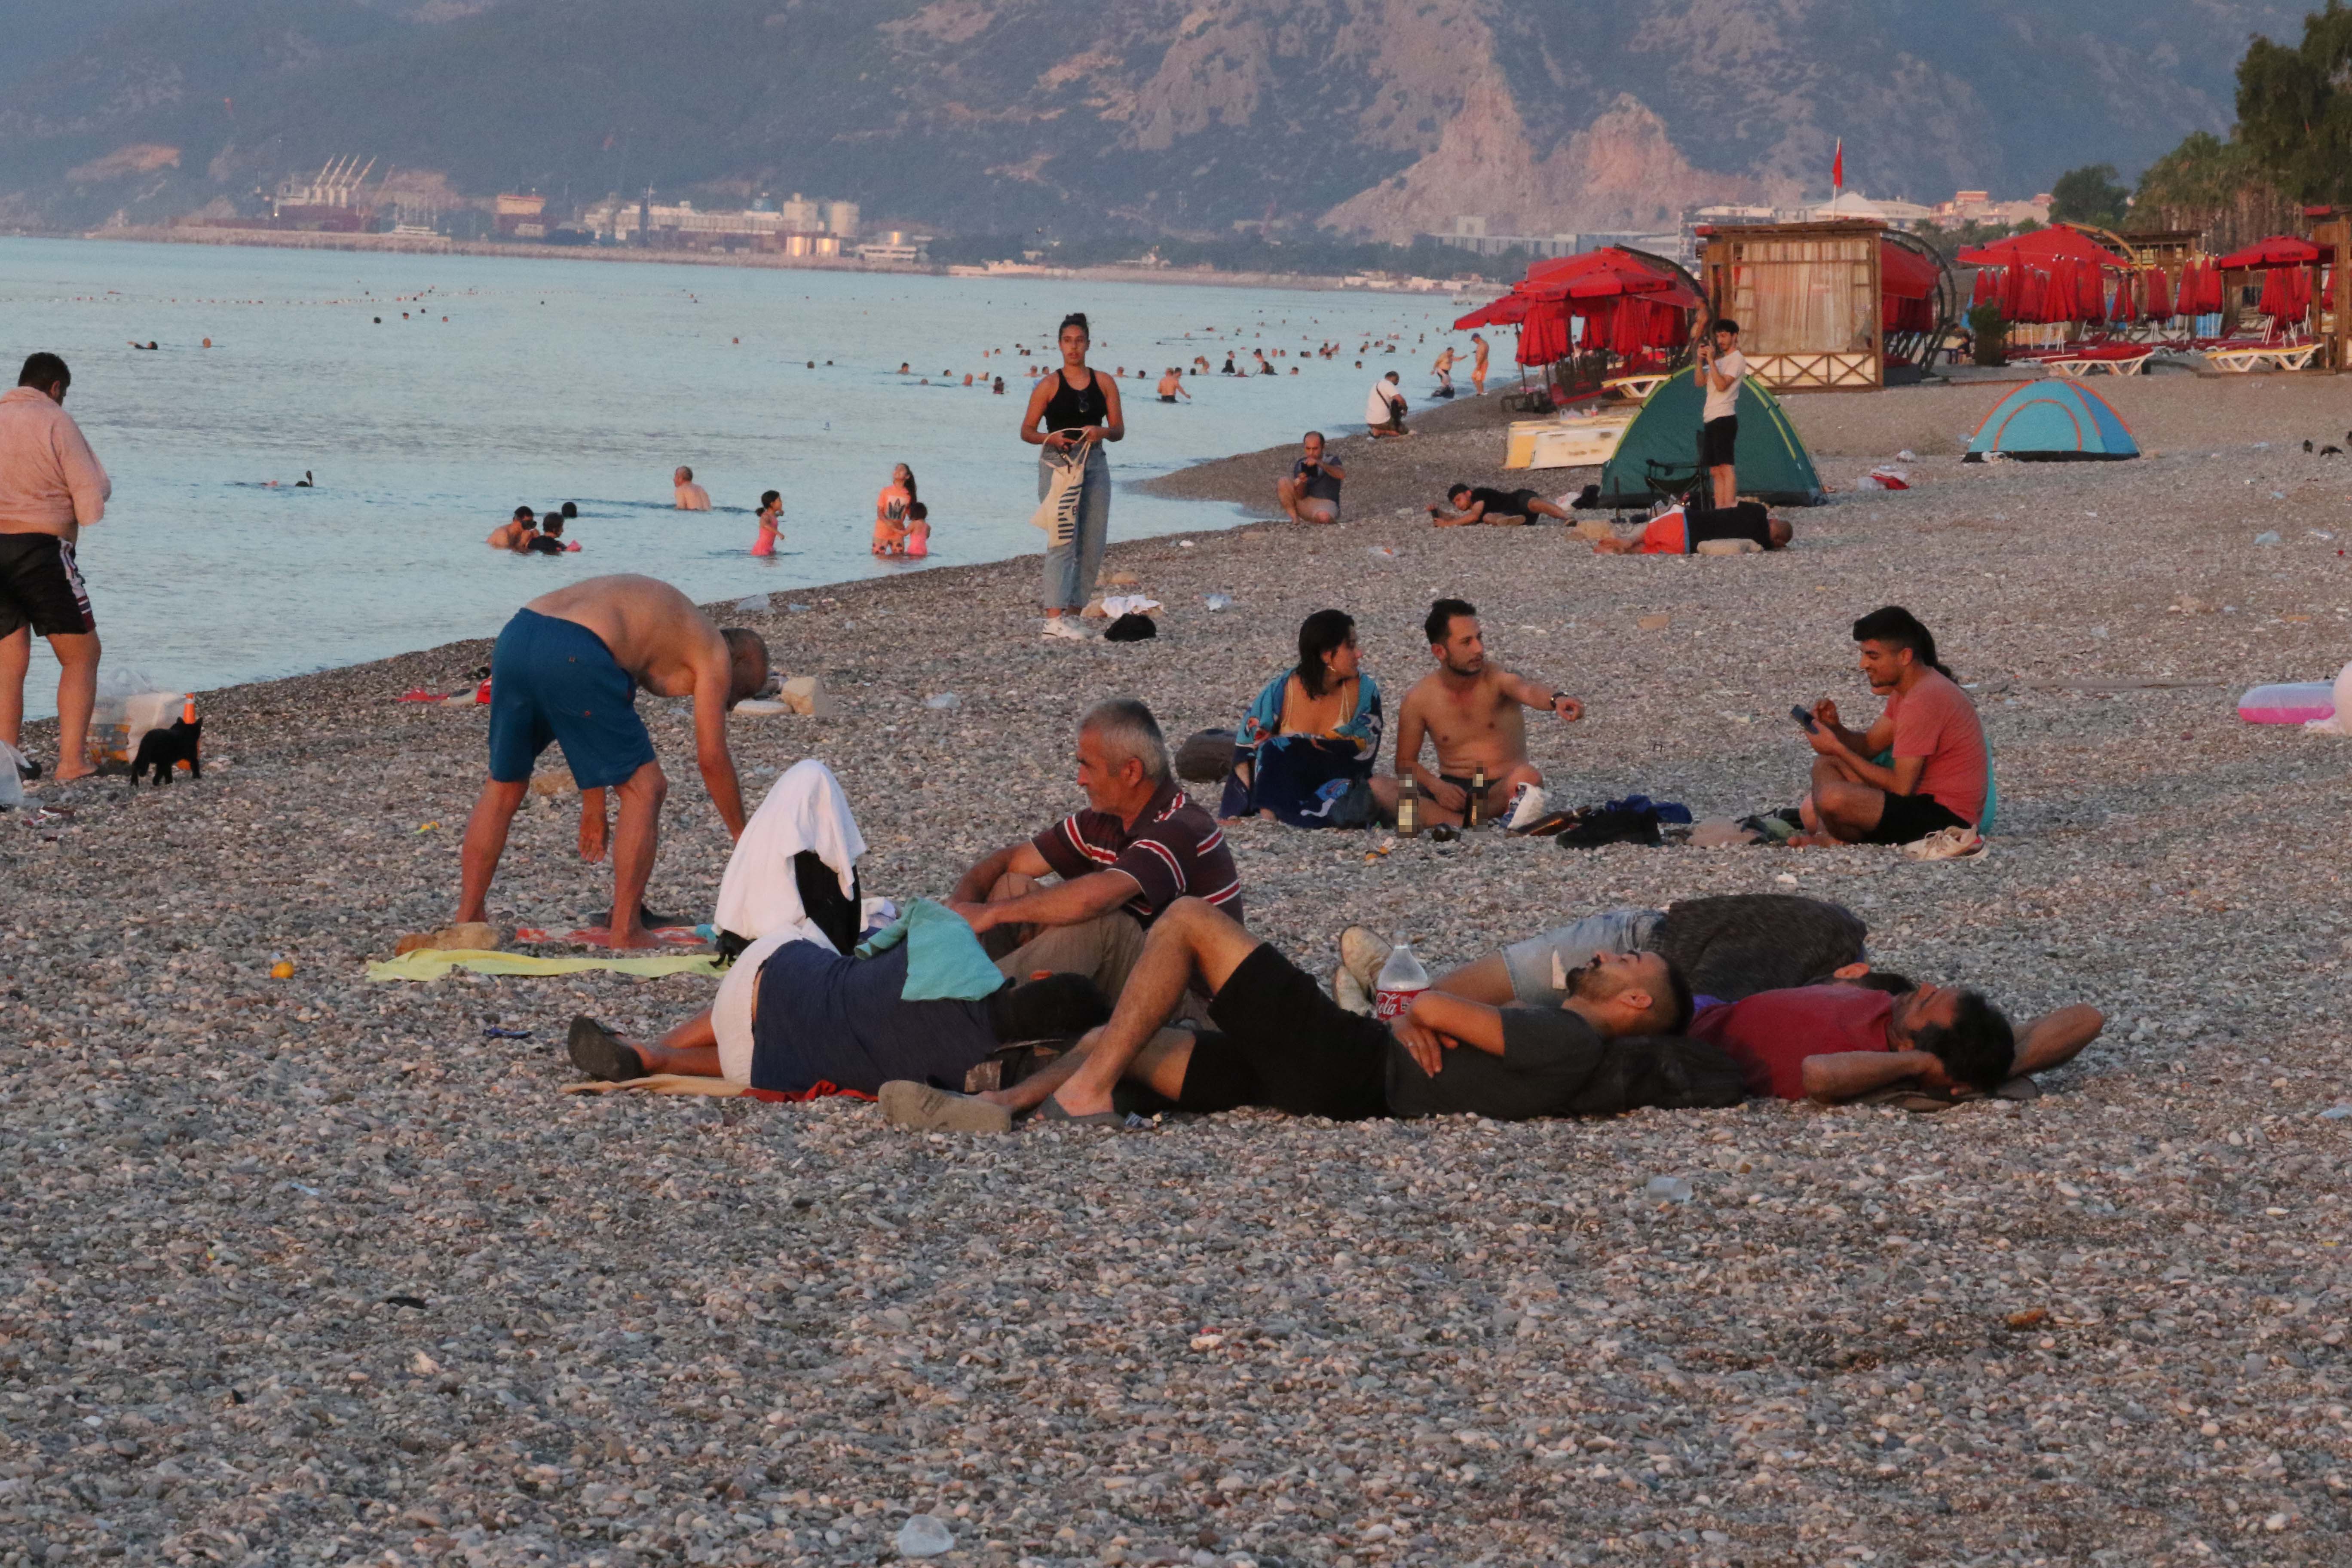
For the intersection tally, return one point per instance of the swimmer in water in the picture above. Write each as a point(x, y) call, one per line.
point(918, 530)
point(306, 483)
point(998, 390)
point(1172, 387)
point(903, 370)
point(691, 496)
point(508, 535)
point(771, 522)
point(550, 541)
point(571, 510)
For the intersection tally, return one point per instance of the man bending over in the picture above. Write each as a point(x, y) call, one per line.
point(1938, 772)
point(1469, 710)
point(1482, 503)
point(1278, 1041)
point(567, 669)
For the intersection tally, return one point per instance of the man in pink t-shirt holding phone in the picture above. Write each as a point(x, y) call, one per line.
point(1936, 769)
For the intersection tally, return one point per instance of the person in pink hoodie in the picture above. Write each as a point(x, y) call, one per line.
point(51, 488)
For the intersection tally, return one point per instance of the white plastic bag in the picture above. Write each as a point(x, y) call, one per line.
point(12, 783)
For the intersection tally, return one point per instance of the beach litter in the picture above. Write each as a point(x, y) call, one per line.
point(1669, 1189)
point(923, 1536)
point(943, 701)
point(1218, 601)
point(1384, 552)
point(753, 604)
point(2266, 537)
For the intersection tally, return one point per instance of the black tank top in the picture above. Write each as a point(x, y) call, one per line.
point(1072, 409)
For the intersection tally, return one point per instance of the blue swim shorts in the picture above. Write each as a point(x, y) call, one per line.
point(555, 680)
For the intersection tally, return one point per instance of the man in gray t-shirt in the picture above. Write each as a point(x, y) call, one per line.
point(1311, 493)
point(1729, 948)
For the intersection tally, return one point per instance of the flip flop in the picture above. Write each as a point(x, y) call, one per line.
point(920, 1108)
point(1051, 1111)
point(598, 1052)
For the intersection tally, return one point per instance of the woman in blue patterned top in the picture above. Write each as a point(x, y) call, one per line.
point(1305, 751)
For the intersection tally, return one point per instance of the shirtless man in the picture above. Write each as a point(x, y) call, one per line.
point(691, 496)
point(1470, 709)
point(515, 533)
point(567, 669)
point(1443, 367)
point(1479, 366)
point(1172, 387)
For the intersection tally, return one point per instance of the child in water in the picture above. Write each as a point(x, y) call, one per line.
point(918, 530)
point(771, 516)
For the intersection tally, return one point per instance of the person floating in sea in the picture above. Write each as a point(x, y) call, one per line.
point(691, 496)
point(771, 522)
point(567, 670)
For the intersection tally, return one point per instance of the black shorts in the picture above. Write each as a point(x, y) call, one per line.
point(1281, 1043)
point(41, 587)
point(1716, 439)
point(1909, 817)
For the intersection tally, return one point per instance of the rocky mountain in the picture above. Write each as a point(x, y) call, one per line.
point(1380, 117)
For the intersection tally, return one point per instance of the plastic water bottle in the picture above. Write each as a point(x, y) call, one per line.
point(1402, 979)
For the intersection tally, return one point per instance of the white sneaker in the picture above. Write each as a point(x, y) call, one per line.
point(1948, 844)
point(1351, 995)
point(1065, 626)
point(1361, 954)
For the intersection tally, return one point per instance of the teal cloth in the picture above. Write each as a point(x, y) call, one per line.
point(944, 959)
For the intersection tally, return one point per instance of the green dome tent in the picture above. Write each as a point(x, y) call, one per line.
point(1659, 453)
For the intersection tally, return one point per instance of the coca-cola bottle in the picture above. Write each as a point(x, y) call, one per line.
point(1402, 979)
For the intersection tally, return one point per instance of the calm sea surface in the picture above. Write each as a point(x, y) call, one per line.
point(583, 381)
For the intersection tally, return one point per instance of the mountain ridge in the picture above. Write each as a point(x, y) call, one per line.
point(1376, 117)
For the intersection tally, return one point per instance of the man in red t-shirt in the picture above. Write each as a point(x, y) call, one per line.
point(1139, 846)
point(1939, 772)
point(1837, 1042)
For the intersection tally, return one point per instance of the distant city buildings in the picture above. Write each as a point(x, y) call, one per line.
point(798, 226)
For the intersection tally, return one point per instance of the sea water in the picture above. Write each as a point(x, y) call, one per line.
point(430, 396)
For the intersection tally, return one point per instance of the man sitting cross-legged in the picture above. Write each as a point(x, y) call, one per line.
point(1276, 1040)
point(1936, 772)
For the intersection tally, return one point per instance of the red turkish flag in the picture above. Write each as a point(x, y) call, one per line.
point(1837, 166)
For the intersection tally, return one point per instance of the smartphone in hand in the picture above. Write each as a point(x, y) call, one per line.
point(1801, 717)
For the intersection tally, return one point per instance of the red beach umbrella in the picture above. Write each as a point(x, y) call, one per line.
point(2159, 303)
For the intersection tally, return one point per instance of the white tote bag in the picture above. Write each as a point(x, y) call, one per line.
point(1058, 514)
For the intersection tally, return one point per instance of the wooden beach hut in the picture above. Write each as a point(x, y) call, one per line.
point(1830, 305)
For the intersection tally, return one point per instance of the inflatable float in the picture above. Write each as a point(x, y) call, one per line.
point(2299, 702)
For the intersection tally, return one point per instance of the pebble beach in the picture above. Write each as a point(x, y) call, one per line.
point(312, 1269)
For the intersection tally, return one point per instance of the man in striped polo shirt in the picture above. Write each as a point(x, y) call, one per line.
point(1139, 846)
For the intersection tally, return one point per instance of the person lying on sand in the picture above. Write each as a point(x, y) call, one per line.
point(1923, 767)
point(1276, 1040)
point(691, 496)
point(1139, 845)
point(515, 533)
point(794, 1016)
point(1469, 710)
point(1482, 503)
point(567, 669)
point(1681, 532)
point(1729, 946)
point(1869, 1033)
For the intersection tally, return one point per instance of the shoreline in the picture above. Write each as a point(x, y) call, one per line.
point(418, 244)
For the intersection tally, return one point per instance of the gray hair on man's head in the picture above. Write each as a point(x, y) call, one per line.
point(1126, 729)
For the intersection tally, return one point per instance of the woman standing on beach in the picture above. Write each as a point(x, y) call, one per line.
point(1071, 413)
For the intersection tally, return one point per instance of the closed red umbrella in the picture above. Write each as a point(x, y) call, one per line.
point(2276, 293)
point(2090, 293)
point(2125, 308)
point(2012, 292)
point(1982, 292)
point(2159, 301)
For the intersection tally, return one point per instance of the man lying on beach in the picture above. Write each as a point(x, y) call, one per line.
point(1482, 503)
point(1681, 532)
point(1729, 946)
point(1936, 773)
point(1469, 710)
point(1139, 846)
point(691, 496)
point(1311, 493)
point(796, 1017)
point(567, 669)
point(1275, 1040)
point(516, 532)
point(1855, 1038)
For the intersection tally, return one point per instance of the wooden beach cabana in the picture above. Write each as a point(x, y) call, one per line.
point(1830, 305)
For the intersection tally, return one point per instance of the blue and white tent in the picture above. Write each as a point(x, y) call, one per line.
point(2054, 421)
